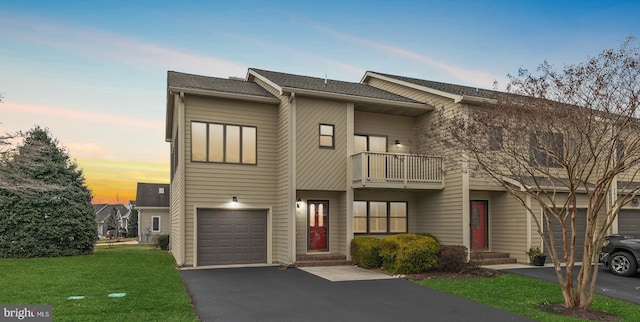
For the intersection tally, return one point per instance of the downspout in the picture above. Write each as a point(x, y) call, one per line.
point(182, 192)
point(293, 179)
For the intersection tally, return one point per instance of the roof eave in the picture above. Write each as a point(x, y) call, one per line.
point(254, 74)
point(234, 96)
point(351, 98)
point(456, 98)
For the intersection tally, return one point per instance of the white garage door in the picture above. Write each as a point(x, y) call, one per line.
point(232, 237)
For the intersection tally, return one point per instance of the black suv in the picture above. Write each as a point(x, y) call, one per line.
point(621, 254)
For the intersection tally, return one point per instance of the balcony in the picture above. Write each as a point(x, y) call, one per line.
point(396, 171)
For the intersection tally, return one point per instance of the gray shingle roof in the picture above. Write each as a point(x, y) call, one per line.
point(148, 195)
point(177, 79)
point(332, 86)
point(104, 211)
point(445, 87)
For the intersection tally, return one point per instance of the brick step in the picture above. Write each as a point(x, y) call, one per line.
point(312, 263)
point(488, 255)
point(320, 257)
point(493, 261)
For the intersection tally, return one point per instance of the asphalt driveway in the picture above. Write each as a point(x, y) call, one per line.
point(607, 284)
point(271, 294)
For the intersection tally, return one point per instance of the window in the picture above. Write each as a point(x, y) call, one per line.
point(495, 138)
point(223, 143)
point(544, 149)
point(327, 137)
point(620, 153)
point(379, 217)
point(161, 190)
point(155, 223)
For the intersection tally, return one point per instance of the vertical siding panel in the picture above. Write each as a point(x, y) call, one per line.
point(212, 184)
point(320, 168)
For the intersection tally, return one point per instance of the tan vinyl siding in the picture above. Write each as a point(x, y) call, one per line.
point(145, 219)
point(507, 223)
point(177, 184)
point(320, 168)
point(337, 220)
point(214, 183)
point(280, 217)
point(393, 127)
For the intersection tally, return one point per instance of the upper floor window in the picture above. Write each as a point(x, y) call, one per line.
point(495, 139)
point(327, 136)
point(225, 143)
point(545, 149)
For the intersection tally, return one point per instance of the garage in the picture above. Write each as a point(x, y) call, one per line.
point(581, 225)
point(629, 222)
point(228, 237)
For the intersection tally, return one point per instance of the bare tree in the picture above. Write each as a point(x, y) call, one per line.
point(556, 138)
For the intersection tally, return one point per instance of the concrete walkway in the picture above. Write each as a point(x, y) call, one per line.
point(345, 273)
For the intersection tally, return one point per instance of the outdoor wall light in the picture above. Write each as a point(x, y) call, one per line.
point(397, 142)
point(299, 203)
point(234, 199)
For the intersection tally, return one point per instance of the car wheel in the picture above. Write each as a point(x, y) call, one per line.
point(623, 264)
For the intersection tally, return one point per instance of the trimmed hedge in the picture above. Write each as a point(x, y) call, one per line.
point(163, 242)
point(365, 252)
point(452, 258)
point(409, 253)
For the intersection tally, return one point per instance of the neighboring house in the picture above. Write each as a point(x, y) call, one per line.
point(152, 203)
point(277, 167)
point(105, 213)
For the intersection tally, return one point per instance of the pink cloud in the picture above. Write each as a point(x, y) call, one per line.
point(80, 115)
point(470, 76)
point(89, 42)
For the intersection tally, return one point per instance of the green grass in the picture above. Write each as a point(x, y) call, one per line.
point(153, 286)
point(523, 295)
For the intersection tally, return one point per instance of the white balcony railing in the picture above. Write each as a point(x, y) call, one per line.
point(396, 169)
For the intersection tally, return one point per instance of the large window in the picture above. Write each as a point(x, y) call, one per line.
point(379, 217)
point(545, 148)
point(224, 143)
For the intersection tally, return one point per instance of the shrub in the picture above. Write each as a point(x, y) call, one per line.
point(365, 252)
point(429, 235)
point(452, 258)
point(163, 242)
point(409, 253)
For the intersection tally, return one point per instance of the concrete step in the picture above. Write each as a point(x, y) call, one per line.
point(320, 257)
point(314, 263)
point(493, 261)
point(488, 255)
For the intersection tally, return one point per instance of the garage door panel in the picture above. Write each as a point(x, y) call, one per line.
point(580, 226)
point(629, 222)
point(232, 237)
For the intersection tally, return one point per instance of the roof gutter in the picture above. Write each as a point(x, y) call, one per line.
point(350, 98)
point(234, 96)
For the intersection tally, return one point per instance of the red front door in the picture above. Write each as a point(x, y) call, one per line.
point(479, 224)
point(318, 220)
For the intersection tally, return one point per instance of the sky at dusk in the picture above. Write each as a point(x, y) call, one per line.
point(94, 72)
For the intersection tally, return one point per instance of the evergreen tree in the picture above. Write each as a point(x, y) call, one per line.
point(59, 221)
point(132, 230)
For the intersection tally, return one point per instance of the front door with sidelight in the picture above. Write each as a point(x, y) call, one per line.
point(318, 225)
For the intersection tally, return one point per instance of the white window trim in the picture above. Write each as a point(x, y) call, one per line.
point(159, 224)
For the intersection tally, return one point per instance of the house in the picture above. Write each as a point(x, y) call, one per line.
point(282, 169)
point(152, 203)
point(109, 216)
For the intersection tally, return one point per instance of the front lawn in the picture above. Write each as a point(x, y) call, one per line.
point(153, 286)
point(523, 296)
